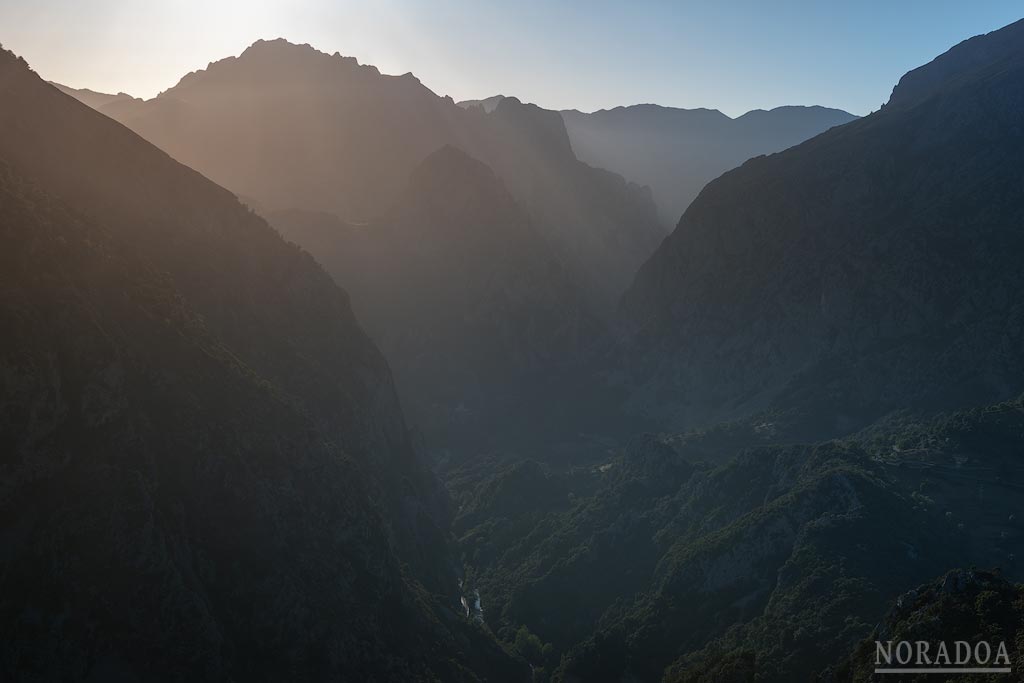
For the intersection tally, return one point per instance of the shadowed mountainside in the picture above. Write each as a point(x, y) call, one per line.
point(872, 268)
point(206, 473)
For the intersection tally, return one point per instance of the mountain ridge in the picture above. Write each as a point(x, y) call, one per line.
point(291, 127)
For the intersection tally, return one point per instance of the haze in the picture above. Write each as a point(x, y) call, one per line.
point(734, 57)
point(310, 373)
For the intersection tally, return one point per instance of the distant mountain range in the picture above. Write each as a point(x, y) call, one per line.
point(288, 127)
point(870, 269)
point(676, 152)
point(326, 148)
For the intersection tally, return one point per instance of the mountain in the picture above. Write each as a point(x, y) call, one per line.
point(464, 297)
point(289, 127)
point(676, 152)
point(870, 269)
point(206, 471)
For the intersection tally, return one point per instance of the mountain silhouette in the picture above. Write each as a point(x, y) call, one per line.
point(869, 269)
point(289, 127)
point(207, 472)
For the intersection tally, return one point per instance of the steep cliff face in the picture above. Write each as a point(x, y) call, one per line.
point(870, 268)
point(289, 127)
point(206, 470)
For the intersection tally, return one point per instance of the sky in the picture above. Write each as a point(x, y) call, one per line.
point(731, 55)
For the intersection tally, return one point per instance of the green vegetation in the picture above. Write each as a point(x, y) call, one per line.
point(970, 606)
point(775, 562)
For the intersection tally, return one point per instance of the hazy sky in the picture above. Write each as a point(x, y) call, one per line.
point(729, 55)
